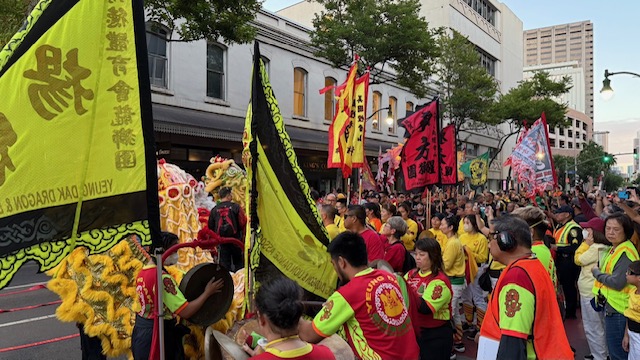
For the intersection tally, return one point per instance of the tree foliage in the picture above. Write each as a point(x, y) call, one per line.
point(468, 90)
point(13, 13)
point(591, 161)
point(612, 182)
point(225, 20)
point(386, 34)
point(564, 168)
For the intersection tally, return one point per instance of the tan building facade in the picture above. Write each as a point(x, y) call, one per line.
point(560, 44)
point(570, 141)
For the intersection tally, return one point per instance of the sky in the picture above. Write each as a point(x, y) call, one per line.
point(616, 28)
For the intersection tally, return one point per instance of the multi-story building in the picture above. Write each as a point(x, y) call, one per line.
point(561, 44)
point(571, 140)
point(575, 97)
point(495, 31)
point(200, 92)
point(636, 151)
point(602, 138)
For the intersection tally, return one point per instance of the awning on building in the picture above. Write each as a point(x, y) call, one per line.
point(190, 122)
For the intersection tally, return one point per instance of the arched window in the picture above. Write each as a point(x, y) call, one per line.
point(215, 71)
point(409, 106)
point(157, 37)
point(376, 104)
point(393, 107)
point(299, 92)
point(329, 99)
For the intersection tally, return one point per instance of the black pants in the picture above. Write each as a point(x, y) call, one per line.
point(436, 343)
point(568, 273)
point(91, 346)
point(143, 334)
point(231, 257)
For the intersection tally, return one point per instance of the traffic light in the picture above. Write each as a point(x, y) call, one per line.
point(606, 159)
point(635, 153)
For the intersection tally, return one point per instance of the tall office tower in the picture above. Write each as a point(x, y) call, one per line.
point(563, 43)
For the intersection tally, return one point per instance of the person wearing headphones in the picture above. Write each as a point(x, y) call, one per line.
point(523, 306)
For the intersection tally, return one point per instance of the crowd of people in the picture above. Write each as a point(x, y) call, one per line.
point(499, 269)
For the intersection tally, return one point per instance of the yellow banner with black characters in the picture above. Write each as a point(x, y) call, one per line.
point(76, 137)
point(287, 234)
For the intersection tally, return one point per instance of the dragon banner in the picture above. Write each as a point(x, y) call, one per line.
point(77, 165)
point(285, 225)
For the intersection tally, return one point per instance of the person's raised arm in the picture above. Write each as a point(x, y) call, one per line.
point(212, 287)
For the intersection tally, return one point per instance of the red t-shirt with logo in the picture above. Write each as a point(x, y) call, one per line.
point(375, 244)
point(372, 311)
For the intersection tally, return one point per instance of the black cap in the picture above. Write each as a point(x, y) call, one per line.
point(564, 209)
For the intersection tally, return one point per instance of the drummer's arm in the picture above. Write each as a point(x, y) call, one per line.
point(307, 332)
point(213, 286)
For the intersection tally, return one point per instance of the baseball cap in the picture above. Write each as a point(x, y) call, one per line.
point(596, 224)
point(564, 209)
point(341, 196)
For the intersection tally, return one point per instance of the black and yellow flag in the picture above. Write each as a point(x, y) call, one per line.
point(287, 232)
point(77, 165)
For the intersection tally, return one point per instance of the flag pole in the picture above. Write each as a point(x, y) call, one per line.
point(427, 219)
point(360, 184)
point(348, 190)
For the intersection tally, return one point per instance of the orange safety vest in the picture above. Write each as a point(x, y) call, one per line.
point(561, 233)
point(548, 344)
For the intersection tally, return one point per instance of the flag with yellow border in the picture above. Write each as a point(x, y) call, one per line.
point(77, 165)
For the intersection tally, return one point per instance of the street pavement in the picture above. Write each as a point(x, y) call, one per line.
point(29, 329)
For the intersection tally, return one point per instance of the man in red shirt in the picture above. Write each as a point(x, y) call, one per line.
point(370, 308)
point(355, 222)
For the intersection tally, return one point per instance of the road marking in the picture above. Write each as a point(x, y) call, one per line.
point(25, 285)
point(39, 343)
point(28, 320)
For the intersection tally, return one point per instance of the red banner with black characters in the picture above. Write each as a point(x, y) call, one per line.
point(448, 156)
point(420, 154)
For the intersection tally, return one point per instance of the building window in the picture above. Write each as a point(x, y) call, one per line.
point(215, 71)
point(561, 132)
point(552, 143)
point(157, 52)
point(488, 62)
point(484, 9)
point(577, 135)
point(393, 106)
point(552, 130)
point(570, 145)
point(570, 133)
point(409, 106)
point(299, 92)
point(577, 145)
point(584, 137)
point(375, 119)
point(561, 144)
point(329, 98)
point(578, 123)
point(584, 126)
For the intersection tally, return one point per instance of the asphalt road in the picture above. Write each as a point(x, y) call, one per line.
point(29, 329)
point(28, 325)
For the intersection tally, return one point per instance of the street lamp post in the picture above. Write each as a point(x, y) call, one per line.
point(607, 91)
point(389, 119)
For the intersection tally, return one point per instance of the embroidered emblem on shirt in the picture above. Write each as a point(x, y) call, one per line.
point(327, 310)
point(512, 303)
point(385, 306)
point(168, 286)
point(437, 292)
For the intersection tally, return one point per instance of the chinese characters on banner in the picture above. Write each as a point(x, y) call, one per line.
point(347, 131)
point(448, 156)
point(421, 152)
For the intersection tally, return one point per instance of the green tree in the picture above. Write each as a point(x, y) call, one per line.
point(564, 167)
point(591, 161)
point(612, 182)
point(525, 103)
point(468, 89)
point(228, 20)
point(386, 34)
point(13, 13)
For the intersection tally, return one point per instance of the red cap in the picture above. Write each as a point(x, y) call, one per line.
point(596, 224)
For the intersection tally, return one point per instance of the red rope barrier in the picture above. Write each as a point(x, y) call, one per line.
point(44, 342)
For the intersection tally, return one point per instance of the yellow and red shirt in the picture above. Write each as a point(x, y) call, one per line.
point(476, 243)
point(172, 298)
point(308, 352)
point(436, 293)
point(371, 309)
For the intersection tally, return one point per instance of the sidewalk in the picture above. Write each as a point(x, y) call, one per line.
point(574, 330)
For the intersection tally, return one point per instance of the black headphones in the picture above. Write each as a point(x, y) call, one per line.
point(506, 242)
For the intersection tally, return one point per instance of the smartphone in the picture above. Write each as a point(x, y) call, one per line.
point(623, 195)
